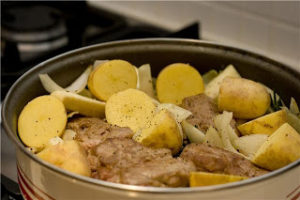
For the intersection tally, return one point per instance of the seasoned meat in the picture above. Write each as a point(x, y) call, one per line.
point(92, 131)
point(212, 159)
point(123, 160)
point(169, 172)
point(204, 110)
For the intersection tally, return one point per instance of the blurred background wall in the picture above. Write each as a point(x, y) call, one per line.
point(270, 28)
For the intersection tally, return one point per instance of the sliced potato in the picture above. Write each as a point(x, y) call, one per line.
point(213, 138)
point(205, 179)
point(179, 113)
point(68, 155)
point(245, 98)
point(112, 77)
point(84, 105)
point(40, 120)
point(130, 108)
point(145, 80)
point(194, 135)
point(249, 144)
point(280, 149)
point(163, 132)
point(177, 81)
point(266, 124)
point(212, 88)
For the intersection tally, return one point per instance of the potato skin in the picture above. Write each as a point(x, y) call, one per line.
point(266, 124)
point(162, 132)
point(280, 149)
point(245, 98)
point(40, 120)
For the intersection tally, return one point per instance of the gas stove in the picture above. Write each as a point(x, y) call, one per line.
point(32, 32)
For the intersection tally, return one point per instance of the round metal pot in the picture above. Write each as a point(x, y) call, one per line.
point(40, 180)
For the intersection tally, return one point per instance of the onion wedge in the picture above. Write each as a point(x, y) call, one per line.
point(77, 86)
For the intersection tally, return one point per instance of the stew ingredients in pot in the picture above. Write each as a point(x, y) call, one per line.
point(119, 124)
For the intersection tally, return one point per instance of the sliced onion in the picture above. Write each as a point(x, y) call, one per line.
point(194, 135)
point(179, 113)
point(145, 80)
point(98, 62)
point(49, 84)
point(77, 86)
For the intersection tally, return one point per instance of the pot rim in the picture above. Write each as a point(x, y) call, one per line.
point(145, 189)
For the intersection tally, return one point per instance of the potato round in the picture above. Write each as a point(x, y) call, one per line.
point(130, 108)
point(41, 119)
point(245, 98)
point(177, 81)
point(112, 77)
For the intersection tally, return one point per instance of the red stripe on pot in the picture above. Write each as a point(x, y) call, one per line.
point(28, 187)
point(293, 191)
point(23, 191)
point(27, 179)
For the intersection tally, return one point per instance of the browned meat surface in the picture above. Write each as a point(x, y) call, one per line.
point(212, 159)
point(92, 131)
point(204, 110)
point(123, 160)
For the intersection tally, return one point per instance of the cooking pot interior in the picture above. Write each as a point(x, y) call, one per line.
point(159, 53)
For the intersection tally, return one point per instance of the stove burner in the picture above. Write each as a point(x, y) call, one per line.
point(32, 23)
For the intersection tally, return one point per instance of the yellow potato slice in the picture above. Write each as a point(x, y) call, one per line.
point(130, 108)
point(112, 77)
point(280, 149)
point(177, 81)
point(205, 179)
point(245, 98)
point(68, 155)
point(266, 124)
point(163, 132)
point(83, 105)
point(40, 120)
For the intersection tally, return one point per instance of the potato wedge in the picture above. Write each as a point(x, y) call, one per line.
point(40, 120)
point(130, 108)
point(68, 155)
point(245, 98)
point(84, 105)
point(266, 124)
point(249, 144)
point(177, 81)
point(163, 132)
point(280, 149)
point(205, 179)
point(212, 88)
point(112, 77)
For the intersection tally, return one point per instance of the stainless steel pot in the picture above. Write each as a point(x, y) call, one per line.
point(40, 180)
